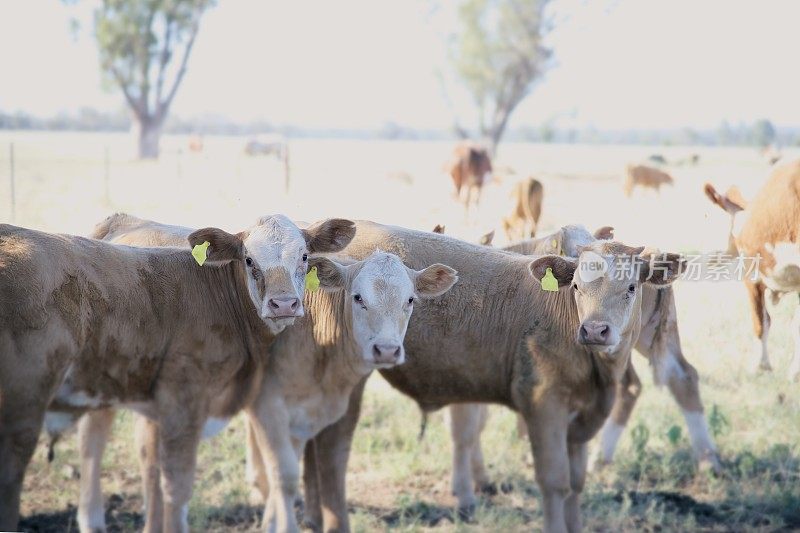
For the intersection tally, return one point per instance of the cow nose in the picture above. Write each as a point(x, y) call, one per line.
point(594, 332)
point(386, 353)
point(280, 307)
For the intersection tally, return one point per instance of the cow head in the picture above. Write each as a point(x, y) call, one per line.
point(733, 203)
point(379, 294)
point(605, 282)
point(273, 255)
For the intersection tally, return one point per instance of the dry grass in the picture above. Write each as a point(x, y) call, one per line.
point(395, 481)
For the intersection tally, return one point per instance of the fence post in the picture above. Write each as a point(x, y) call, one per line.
point(13, 193)
point(107, 175)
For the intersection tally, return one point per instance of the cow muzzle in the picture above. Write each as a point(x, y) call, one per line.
point(387, 354)
point(282, 307)
point(596, 333)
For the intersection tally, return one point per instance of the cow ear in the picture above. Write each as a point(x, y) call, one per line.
point(486, 240)
point(331, 275)
point(734, 196)
point(330, 235)
point(439, 228)
point(725, 203)
point(660, 268)
point(223, 247)
point(434, 281)
point(605, 233)
point(563, 269)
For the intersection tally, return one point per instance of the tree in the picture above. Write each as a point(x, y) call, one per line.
point(144, 49)
point(763, 133)
point(498, 56)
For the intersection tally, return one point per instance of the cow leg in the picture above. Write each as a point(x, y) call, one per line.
point(681, 377)
point(794, 366)
point(628, 390)
point(94, 430)
point(270, 424)
point(761, 323)
point(20, 423)
point(146, 441)
point(255, 469)
point(547, 430)
point(465, 433)
point(179, 429)
point(479, 473)
point(577, 478)
point(331, 451)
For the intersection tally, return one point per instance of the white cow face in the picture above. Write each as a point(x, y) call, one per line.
point(379, 294)
point(274, 257)
point(605, 282)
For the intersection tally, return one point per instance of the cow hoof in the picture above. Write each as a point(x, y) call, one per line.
point(710, 462)
point(466, 513)
point(488, 488)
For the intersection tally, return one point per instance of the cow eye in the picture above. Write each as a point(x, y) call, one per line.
point(632, 288)
point(411, 300)
point(575, 286)
point(305, 258)
point(357, 298)
point(248, 261)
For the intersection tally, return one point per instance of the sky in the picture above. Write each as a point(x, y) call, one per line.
point(618, 64)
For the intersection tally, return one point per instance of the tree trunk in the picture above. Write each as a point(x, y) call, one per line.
point(148, 133)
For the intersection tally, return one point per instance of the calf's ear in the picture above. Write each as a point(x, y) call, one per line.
point(486, 240)
point(606, 233)
point(434, 281)
point(563, 269)
point(438, 228)
point(660, 268)
point(223, 247)
point(331, 275)
point(725, 203)
point(330, 235)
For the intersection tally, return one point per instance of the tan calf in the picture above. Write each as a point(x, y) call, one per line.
point(527, 197)
point(273, 264)
point(497, 337)
point(659, 342)
point(645, 177)
point(768, 227)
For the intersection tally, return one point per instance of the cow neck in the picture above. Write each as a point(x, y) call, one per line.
point(333, 330)
point(224, 293)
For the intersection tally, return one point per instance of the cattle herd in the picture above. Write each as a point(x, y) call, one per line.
point(286, 321)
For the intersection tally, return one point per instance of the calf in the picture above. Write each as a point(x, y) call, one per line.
point(470, 168)
point(101, 325)
point(659, 342)
point(645, 177)
point(497, 337)
point(527, 197)
point(770, 222)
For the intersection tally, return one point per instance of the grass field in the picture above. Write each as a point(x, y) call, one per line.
point(395, 481)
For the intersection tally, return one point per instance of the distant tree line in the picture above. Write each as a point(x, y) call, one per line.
point(759, 133)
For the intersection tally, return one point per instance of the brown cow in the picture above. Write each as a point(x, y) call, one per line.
point(497, 337)
point(645, 177)
point(99, 325)
point(659, 342)
point(769, 227)
point(527, 196)
point(470, 168)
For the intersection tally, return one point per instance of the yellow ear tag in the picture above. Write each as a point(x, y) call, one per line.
point(312, 281)
point(199, 252)
point(549, 281)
